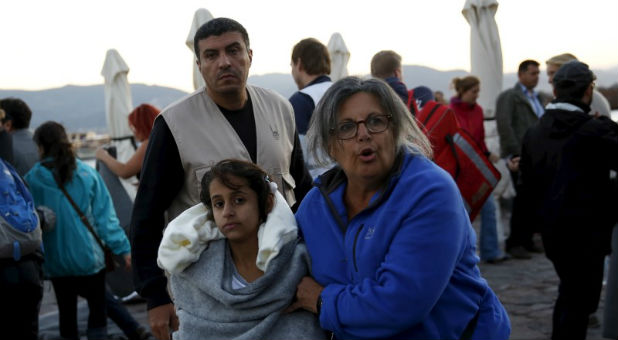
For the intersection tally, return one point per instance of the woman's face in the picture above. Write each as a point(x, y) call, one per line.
point(471, 95)
point(367, 157)
point(235, 211)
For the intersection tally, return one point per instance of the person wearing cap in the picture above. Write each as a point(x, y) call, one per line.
point(564, 181)
point(599, 106)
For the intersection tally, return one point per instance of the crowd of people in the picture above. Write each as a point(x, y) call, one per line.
point(321, 216)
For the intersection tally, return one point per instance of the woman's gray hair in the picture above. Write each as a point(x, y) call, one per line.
point(408, 136)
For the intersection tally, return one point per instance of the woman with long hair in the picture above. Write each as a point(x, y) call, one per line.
point(141, 120)
point(470, 117)
point(74, 261)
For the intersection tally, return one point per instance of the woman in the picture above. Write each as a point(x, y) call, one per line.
point(470, 117)
point(140, 121)
point(235, 260)
point(74, 261)
point(391, 245)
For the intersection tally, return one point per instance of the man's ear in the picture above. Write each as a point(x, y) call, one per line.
point(8, 125)
point(250, 53)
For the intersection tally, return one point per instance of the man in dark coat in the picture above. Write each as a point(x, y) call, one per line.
point(517, 109)
point(565, 181)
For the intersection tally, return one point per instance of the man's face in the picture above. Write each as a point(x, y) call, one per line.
point(551, 71)
point(530, 77)
point(224, 63)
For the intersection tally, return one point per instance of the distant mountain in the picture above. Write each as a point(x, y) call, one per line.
point(82, 108)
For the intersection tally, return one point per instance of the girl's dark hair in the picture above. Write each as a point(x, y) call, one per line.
point(255, 176)
point(54, 143)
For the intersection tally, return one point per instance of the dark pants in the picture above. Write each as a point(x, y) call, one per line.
point(21, 292)
point(121, 316)
point(90, 287)
point(521, 226)
point(581, 277)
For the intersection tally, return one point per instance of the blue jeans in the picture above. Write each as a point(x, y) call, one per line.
point(488, 243)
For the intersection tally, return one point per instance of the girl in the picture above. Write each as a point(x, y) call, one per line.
point(74, 261)
point(235, 261)
point(470, 117)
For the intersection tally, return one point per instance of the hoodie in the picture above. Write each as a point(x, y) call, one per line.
point(565, 176)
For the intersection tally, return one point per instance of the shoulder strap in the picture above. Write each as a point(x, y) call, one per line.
point(82, 217)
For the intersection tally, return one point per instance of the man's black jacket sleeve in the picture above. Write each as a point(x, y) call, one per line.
point(161, 179)
point(299, 171)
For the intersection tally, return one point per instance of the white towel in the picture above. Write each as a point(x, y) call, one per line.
point(188, 235)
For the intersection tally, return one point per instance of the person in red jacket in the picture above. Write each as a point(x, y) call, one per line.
point(470, 118)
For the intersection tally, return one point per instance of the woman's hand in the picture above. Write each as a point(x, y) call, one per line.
point(127, 261)
point(494, 158)
point(307, 293)
point(101, 153)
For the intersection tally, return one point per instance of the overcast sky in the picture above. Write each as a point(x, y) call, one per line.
point(48, 44)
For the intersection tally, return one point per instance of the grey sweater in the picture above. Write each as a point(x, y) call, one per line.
point(208, 307)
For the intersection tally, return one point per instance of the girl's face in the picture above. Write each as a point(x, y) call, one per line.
point(235, 211)
point(471, 95)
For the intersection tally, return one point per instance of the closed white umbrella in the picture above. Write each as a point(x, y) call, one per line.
point(486, 64)
point(339, 57)
point(118, 105)
point(200, 17)
point(485, 51)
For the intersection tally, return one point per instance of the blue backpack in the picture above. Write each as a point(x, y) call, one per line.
point(20, 233)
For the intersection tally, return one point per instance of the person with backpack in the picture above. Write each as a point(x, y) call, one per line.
point(21, 274)
point(86, 222)
point(469, 115)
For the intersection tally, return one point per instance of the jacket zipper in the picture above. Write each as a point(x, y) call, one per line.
point(354, 246)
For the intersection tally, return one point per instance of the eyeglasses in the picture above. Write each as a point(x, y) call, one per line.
point(349, 129)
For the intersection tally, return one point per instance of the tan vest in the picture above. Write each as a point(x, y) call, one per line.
point(204, 137)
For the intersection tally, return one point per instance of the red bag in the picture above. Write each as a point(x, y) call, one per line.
point(456, 152)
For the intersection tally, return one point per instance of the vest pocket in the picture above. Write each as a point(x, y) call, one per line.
point(286, 184)
point(199, 173)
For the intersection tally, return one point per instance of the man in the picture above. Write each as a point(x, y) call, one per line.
point(386, 65)
point(517, 109)
point(565, 165)
point(17, 122)
point(225, 119)
point(310, 69)
point(600, 105)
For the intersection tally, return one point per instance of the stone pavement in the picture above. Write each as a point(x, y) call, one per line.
point(528, 290)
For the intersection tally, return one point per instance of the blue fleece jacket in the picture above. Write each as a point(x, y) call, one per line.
point(404, 267)
point(70, 249)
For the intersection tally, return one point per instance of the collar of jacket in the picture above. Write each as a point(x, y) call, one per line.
point(558, 103)
point(333, 178)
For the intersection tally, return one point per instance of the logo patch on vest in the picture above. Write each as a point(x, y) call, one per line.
point(275, 132)
point(369, 233)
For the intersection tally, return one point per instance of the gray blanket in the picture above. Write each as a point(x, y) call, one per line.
point(208, 307)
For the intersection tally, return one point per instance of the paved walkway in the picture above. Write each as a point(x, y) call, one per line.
point(527, 289)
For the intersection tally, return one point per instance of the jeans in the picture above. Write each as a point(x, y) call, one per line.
point(489, 243)
point(92, 288)
point(121, 316)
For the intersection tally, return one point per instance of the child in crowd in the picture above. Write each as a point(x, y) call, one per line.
point(235, 260)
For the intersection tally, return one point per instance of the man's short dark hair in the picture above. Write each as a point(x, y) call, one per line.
point(313, 56)
point(385, 63)
point(17, 111)
point(218, 26)
point(523, 66)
